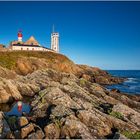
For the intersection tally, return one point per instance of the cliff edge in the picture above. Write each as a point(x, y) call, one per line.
point(26, 62)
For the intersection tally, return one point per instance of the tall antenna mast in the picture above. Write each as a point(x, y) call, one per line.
point(53, 28)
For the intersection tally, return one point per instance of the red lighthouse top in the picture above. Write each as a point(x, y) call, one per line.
point(19, 33)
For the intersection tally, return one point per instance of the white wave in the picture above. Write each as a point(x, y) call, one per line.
point(131, 80)
point(133, 87)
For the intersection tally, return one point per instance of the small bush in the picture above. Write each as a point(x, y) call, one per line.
point(82, 82)
point(131, 135)
point(117, 115)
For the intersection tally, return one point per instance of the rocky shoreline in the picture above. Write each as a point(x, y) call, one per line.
point(67, 101)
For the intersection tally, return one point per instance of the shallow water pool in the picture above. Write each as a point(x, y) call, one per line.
point(15, 112)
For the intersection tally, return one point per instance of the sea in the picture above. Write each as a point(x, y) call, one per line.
point(131, 85)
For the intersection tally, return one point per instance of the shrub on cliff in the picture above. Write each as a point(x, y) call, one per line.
point(131, 135)
point(117, 115)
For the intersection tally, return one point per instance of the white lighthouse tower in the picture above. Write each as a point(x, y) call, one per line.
point(20, 36)
point(55, 41)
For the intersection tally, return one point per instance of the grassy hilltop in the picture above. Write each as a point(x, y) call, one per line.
point(8, 59)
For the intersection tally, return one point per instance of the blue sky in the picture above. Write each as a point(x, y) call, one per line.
point(101, 34)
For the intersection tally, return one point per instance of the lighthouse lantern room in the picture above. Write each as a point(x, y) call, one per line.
point(20, 36)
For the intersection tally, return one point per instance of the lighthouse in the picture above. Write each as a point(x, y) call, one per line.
point(55, 41)
point(20, 36)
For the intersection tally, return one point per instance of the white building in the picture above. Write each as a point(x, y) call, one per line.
point(32, 44)
point(55, 41)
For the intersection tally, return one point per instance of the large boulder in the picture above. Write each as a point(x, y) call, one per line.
point(6, 73)
point(37, 134)
point(55, 96)
point(5, 131)
point(23, 121)
point(127, 112)
point(4, 96)
point(12, 89)
point(75, 129)
point(61, 111)
point(26, 130)
point(52, 131)
point(25, 89)
point(8, 91)
point(98, 124)
point(130, 100)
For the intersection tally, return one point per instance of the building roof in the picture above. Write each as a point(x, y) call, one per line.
point(26, 45)
point(32, 41)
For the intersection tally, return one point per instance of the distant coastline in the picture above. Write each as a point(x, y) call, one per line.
point(131, 85)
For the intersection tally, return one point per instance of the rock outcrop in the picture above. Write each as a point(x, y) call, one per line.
point(52, 131)
point(23, 63)
point(67, 101)
point(8, 91)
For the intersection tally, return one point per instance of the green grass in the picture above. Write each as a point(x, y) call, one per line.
point(82, 82)
point(43, 101)
point(117, 115)
point(131, 135)
point(8, 59)
point(57, 123)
